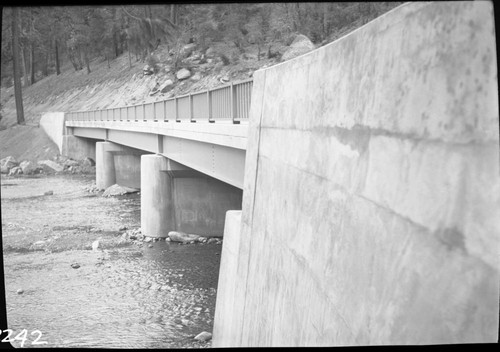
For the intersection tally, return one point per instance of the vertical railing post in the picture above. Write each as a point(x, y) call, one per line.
point(176, 109)
point(209, 106)
point(165, 111)
point(233, 102)
point(190, 107)
point(144, 112)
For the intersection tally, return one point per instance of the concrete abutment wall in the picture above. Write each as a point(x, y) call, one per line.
point(372, 193)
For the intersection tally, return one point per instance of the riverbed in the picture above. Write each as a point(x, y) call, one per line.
point(124, 294)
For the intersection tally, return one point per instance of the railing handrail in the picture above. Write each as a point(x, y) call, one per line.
point(227, 104)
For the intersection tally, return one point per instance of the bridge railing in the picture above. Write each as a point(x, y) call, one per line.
point(230, 102)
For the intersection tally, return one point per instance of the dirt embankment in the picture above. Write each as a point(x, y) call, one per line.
point(27, 143)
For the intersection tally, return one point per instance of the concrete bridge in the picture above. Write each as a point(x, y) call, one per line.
point(371, 188)
point(186, 154)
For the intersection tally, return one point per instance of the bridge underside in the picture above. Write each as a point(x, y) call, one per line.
point(219, 155)
point(186, 184)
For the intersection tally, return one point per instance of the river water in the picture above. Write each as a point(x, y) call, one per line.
point(123, 295)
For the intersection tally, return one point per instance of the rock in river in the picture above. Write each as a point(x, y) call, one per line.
point(75, 265)
point(203, 336)
point(20, 291)
point(117, 190)
point(176, 236)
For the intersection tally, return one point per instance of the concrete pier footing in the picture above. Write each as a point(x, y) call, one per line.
point(105, 165)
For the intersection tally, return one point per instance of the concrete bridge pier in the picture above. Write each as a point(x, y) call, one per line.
point(156, 197)
point(177, 198)
point(117, 164)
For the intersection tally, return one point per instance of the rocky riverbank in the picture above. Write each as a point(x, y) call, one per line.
point(60, 164)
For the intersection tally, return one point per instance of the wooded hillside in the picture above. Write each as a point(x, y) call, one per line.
point(50, 35)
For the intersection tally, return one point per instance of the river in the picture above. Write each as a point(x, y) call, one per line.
point(122, 295)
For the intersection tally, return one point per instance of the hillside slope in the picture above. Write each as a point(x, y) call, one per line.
point(122, 85)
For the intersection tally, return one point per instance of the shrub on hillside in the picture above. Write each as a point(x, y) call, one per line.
point(153, 62)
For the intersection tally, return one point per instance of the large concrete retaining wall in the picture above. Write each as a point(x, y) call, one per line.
point(53, 125)
point(371, 201)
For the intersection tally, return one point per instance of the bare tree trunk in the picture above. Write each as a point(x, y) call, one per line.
point(24, 66)
point(129, 55)
point(174, 13)
point(86, 58)
point(45, 70)
point(150, 16)
point(17, 74)
point(32, 50)
point(297, 18)
point(325, 20)
point(58, 69)
point(115, 45)
point(32, 64)
point(73, 60)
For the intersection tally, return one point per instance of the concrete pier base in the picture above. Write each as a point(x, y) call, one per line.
point(105, 166)
point(177, 198)
point(116, 164)
point(156, 197)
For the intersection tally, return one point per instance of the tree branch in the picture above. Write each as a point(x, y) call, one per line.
point(134, 17)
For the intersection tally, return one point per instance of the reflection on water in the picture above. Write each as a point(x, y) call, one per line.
point(129, 297)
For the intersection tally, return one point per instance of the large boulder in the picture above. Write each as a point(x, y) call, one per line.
point(28, 167)
point(148, 70)
point(196, 76)
point(117, 190)
point(16, 170)
point(7, 163)
point(188, 49)
point(300, 45)
point(203, 336)
point(210, 52)
point(70, 162)
point(50, 165)
point(88, 162)
point(183, 73)
point(177, 236)
point(166, 86)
